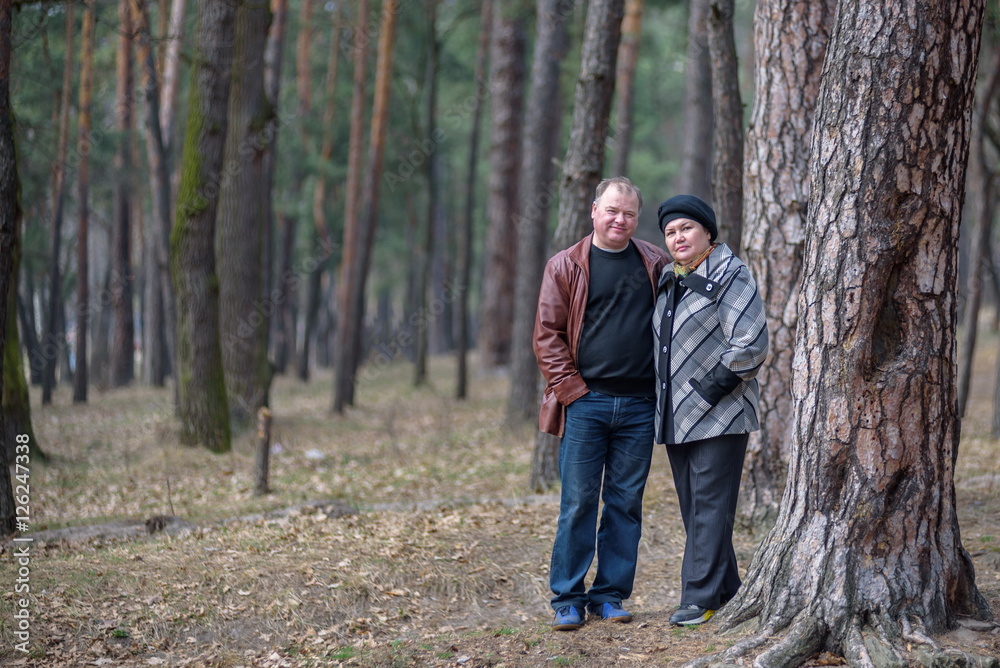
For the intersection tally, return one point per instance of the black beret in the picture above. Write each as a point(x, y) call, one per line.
point(688, 206)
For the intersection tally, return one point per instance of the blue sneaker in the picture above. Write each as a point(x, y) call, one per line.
point(568, 618)
point(614, 611)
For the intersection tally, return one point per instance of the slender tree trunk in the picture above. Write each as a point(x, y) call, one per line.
point(171, 73)
point(53, 338)
point(80, 376)
point(981, 211)
point(727, 109)
point(695, 175)
point(628, 58)
point(790, 43)
point(344, 364)
point(464, 260)
point(433, 196)
point(241, 224)
point(10, 213)
point(272, 89)
point(496, 312)
point(201, 385)
point(158, 319)
point(865, 559)
point(122, 363)
point(538, 190)
point(321, 228)
point(285, 335)
point(355, 273)
point(582, 168)
point(32, 346)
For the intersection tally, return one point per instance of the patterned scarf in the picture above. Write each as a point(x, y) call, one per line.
point(683, 270)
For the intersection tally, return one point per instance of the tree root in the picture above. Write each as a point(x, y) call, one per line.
point(872, 642)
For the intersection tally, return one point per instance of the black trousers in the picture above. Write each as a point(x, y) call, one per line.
point(707, 477)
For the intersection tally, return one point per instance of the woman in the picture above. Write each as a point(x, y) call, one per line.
point(711, 338)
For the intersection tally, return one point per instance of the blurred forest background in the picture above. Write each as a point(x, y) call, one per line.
point(304, 73)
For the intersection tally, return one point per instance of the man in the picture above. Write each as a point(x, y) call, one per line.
point(593, 342)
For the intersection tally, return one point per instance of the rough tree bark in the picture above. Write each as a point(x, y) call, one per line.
point(122, 363)
point(357, 257)
point(80, 379)
point(202, 405)
point(538, 190)
point(865, 559)
point(10, 213)
point(464, 236)
point(628, 58)
point(582, 168)
point(695, 175)
point(790, 38)
point(241, 224)
point(496, 311)
point(727, 108)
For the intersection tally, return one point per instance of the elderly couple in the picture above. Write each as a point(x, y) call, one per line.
point(636, 349)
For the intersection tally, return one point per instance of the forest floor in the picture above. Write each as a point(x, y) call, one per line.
point(399, 534)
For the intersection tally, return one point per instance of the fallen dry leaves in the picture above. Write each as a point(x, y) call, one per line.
point(431, 553)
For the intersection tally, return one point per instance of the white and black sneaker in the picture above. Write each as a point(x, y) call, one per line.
point(690, 615)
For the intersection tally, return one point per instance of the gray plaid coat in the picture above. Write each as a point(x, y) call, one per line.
point(709, 347)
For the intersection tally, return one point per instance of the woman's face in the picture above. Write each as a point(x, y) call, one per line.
point(686, 239)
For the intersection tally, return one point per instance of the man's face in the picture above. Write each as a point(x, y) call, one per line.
point(615, 216)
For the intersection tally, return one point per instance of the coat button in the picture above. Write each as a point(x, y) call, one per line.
point(663, 386)
point(670, 313)
point(664, 350)
point(709, 287)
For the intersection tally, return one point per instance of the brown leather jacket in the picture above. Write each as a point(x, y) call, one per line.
point(562, 301)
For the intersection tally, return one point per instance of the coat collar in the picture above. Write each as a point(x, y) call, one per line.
point(717, 258)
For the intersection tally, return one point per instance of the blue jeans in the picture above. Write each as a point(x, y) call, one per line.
point(611, 439)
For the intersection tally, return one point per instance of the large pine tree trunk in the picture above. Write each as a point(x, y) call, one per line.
point(202, 407)
point(496, 312)
point(10, 213)
point(628, 58)
point(122, 363)
point(537, 193)
point(865, 559)
point(464, 236)
point(53, 340)
point(80, 375)
point(790, 43)
point(695, 175)
point(582, 168)
point(241, 223)
point(727, 108)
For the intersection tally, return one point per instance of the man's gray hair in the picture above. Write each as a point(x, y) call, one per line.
point(623, 184)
